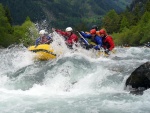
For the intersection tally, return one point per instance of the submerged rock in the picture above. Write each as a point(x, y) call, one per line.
point(139, 80)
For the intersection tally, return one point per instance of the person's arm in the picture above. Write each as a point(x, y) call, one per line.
point(85, 35)
point(72, 39)
point(63, 33)
point(99, 43)
point(37, 41)
point(111, 43)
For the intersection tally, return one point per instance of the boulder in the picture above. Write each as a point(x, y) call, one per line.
point(139, 80)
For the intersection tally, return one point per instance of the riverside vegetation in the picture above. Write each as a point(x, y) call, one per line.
point(127, 27)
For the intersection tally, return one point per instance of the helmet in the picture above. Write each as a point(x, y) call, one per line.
point(69, 29)
point(42, 32)
point(102, 31)
point(92, 31)
point(95, 27)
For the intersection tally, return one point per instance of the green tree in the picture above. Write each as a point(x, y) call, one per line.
point(144, 28)
point(147, 6)
point(8, 15)
point(135, 37)
point(123, 37)
point(26, 33)
point(124, 23)
point(111, 21)
point(137, 14)
point(139, 24)
point(30, 32)
point(5, 29)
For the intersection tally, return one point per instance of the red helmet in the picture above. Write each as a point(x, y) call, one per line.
point(93, 31)
point(102, 31)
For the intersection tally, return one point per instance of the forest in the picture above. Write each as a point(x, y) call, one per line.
point(60, 13)
point(127, 27)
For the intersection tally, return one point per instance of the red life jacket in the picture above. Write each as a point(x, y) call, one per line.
point(108, 42)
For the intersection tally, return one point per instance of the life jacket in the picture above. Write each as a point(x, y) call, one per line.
point(97, 33)
point(92, 39)
point(72, 38)
point(108, 42)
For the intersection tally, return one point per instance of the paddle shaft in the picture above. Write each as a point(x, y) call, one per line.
point(83, 38)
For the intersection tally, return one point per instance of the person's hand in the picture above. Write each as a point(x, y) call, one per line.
point(97, 47)
point(77, 31)
point(53, 29)
point(107, 51)
point(89, 47)
point(87, 32)
point(80, 31)
point(68, 44)
point(35, 46)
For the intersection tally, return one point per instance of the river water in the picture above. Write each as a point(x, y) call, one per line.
point(75, 82)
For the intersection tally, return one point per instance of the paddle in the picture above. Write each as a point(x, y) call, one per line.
point(100, 52)
point(83, 38)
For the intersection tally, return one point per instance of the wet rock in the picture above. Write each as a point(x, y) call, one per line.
point(139, 80)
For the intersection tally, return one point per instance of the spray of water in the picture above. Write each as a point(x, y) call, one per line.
point(76, 81)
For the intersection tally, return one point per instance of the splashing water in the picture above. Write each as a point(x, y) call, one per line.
point(75, 82)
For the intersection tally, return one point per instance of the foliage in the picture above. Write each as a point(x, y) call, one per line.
point(124, 23)
point(6, 37)
point(130, 27)
point(147, 6)
point(26, 33)
point(8, 15)
point(134, 24)
point(61, 12)
point(111, 21)
point(145, 27)
point(135, 35)
point(122, 38)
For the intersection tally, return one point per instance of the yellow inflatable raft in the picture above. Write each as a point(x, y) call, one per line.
point(43, 52)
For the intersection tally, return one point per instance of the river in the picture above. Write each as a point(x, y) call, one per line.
point(75, 82)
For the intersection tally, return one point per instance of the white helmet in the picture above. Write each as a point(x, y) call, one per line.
point(42, 32)
point(69, 29)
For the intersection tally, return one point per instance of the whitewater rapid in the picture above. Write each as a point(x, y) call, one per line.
point(75, 82)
